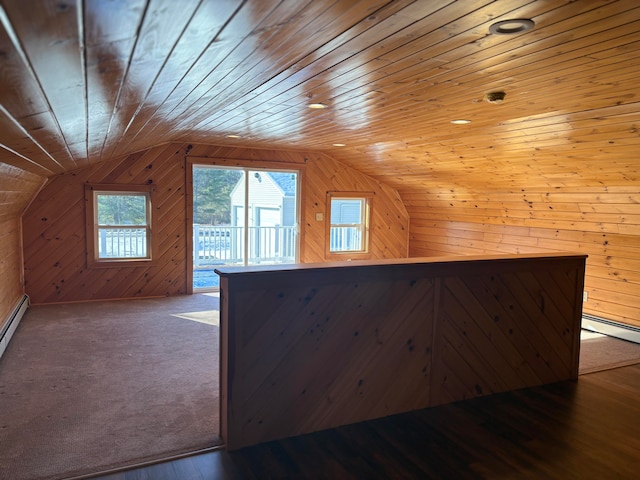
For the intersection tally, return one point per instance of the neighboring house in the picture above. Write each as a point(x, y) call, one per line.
point(272, 200)
point(271, 215)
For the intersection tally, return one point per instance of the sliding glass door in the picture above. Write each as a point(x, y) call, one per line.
point(242, 217)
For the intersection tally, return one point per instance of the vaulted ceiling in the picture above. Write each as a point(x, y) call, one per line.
point(86, 81)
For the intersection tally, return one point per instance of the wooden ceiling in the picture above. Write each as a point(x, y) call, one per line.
point(86, 81)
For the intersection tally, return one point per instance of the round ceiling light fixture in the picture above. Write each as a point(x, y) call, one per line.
point(461, 121)
point(509, 27)
point(317, 106)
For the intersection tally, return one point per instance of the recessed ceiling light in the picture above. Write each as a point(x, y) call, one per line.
point(317, 106)
point(339, 144)
point(460, 121)
point(509, 27)
point(233, 136)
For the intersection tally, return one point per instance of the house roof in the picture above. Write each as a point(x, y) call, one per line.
point(286, 181)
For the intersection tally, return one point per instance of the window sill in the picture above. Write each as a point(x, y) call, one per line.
point(346, 256)
point(120, 263)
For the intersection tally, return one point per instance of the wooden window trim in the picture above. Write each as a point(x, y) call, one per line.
point(91, 226)
point(359, 255)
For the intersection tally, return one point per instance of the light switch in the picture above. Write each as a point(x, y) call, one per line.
point(319, 217)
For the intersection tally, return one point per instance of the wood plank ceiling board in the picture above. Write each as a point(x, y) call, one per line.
point(28, 125)
point(233, 52)
point(239, 116)
point(50, 37)
point(226, 41)
point(383, 49)
point(344, 111)
point(335, 79)
point(109, 40)
point(324, 54)
point(189, 62)
point(154, 43)
point(88, 81)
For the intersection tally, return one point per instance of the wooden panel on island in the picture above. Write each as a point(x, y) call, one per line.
point(314, 346)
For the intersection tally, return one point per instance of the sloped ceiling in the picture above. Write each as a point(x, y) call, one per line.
point(86, 81)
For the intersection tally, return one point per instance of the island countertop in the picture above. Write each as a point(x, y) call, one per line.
point(436, 260)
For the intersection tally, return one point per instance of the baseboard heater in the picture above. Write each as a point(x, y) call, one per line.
point(12, 323)
point(611, 328)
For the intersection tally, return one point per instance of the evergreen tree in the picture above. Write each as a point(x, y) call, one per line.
point(119, 209)
point(211, 195)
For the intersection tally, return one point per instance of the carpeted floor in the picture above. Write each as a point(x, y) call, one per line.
point(92, 386)
point(600, 352)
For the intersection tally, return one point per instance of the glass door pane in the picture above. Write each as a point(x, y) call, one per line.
point(272, 217)
point(225, 201)
point(218, 222)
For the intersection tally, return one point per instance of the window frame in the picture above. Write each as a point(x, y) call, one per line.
point(366, 226)
point(92, 225)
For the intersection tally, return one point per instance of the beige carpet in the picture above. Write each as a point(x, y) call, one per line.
point(600, 352)
point(93, 386)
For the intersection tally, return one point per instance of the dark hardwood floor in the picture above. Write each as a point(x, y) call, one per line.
point(587, 429)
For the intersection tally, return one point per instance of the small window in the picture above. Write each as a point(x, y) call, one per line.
point(119, 224)
point(349, 223)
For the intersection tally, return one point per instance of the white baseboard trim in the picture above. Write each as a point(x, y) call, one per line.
point(12, 322)
point(611, 328)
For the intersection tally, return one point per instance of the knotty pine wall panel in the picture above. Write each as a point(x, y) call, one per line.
point(308, 353)
point(17, 188)
point(11, 284)
point(501, 332)
point(55, 239)
point(389, 222)
point(310, 347)
point(603, 222)
point(389, 232)
point(54, 225)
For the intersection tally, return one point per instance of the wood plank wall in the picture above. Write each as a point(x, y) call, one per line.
point(55, 238)
point(389, 223)
point(17, 187)
point(11, 286)
point(389, 234)
point(315, 347)
point(54, 232)
point(603, 222)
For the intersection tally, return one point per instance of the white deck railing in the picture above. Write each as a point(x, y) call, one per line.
point(217, 245)
point(346, 239)
point(119, 242)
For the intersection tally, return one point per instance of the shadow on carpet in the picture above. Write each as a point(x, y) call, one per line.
point(90, 387)
point(600, 352)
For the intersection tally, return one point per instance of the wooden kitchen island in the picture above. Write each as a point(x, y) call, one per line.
point(308, 347)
